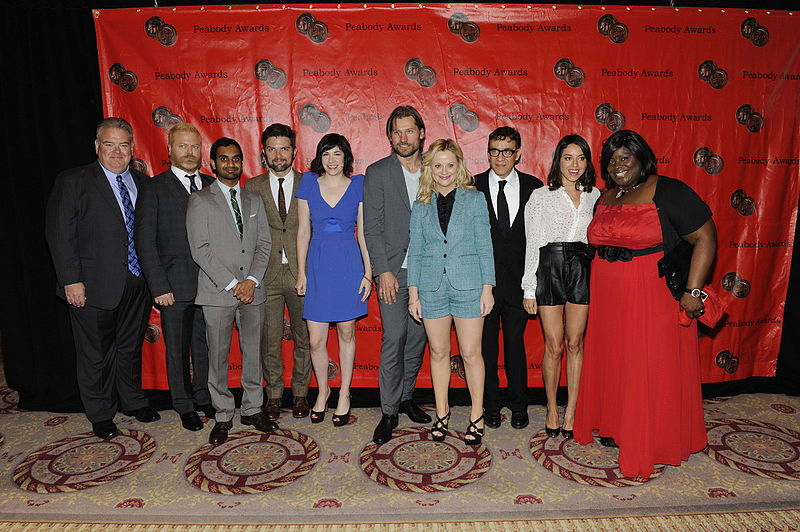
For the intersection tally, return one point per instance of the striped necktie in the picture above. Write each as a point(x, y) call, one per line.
point(127, 205)
point(236, 212)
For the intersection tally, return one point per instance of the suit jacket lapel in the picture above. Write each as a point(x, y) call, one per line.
point(525, 189)
point(482, 184)
point(219, 192)
point(397, 179)
point(177, 189)
point(106, 192)
point(293, 200)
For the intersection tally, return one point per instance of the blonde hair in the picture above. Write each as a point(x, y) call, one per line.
point(183, 127)
point(426, 184)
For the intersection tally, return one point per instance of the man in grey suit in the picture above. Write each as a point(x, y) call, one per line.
point(171, 274)
point(277, 188)
point(229, 240)
point(390, 188)
point(90, 230)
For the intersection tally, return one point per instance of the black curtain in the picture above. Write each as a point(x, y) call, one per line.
point(50, 94)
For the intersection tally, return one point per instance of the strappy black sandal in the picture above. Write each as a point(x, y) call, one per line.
point(440, 427)
point(474, 435)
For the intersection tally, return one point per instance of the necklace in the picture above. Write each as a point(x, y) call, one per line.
point(622, 191)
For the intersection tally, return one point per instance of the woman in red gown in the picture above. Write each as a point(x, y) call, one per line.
point(640, 386)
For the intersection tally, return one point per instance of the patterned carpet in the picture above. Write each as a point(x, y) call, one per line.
point(53, 470)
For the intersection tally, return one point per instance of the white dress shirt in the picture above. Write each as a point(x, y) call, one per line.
point(511, 191)
point(412, 187)
point(550, 216)
point(183, 177)
point(288, 186)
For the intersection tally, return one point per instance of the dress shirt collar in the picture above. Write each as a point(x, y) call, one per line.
point(126, 175)
point(512, 178)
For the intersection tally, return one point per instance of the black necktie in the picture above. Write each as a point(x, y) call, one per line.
point(192, 186)
point(281, 199)
point(503, 219)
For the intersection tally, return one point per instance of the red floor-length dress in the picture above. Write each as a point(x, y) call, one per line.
point(640, 382)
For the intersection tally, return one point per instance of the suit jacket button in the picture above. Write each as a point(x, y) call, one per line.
point(445, 255)
point(241, 269)
point(445, 241)
point(242, 251)
point(284, 230)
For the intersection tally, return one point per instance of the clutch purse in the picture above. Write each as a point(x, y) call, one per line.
point(674, 268)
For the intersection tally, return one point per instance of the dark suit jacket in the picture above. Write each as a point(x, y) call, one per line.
point(160, 233)
point(509, 250)
point(86, 233)
point(284, 234)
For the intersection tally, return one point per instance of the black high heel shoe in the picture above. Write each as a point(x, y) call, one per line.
point(551, 433)
point(474, 435)
point(340, 420)
point(566, 433)
point(440, 427)
point(319, 417)
point(608, 442)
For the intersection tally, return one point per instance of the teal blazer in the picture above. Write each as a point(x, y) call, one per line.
point(465, 253)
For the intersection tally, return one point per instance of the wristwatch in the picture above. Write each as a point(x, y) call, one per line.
point(696, 292)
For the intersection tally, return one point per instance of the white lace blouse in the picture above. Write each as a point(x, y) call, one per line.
point(550, 216)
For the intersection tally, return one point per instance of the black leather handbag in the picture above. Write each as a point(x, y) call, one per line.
point(674, 268)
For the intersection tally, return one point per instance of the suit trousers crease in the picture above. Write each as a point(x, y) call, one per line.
point(514, 320)
point(219, 325)
point(109, 352)
point(187, 355)
point(280, 292)
point(402, 348)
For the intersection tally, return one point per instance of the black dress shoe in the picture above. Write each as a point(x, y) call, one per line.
point(492, 419)
point(414, 413)
point(608, 442)
point(219, 434)
point(144, 415)
point(260, 422)
point(191, 421)
point(105, 430)
point(383, 432)
point(519, 419)
point(207, 410)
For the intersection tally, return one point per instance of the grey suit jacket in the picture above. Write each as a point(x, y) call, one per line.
point(284, 234)
point(216, 247)
point(387, 214)
point(160, 233)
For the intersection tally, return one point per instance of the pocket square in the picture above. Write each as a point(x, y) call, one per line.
point(252, 215)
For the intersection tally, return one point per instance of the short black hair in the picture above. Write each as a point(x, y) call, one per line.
point(506, 132)
point(588, 178)
point(277, 130)
point(329, 141)
point(637, 145)
point(221, 143)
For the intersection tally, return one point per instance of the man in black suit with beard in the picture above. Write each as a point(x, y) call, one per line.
point(171, 273)
point(507, 191)
point(89, 228)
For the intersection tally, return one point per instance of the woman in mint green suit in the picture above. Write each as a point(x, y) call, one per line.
point(450, 276)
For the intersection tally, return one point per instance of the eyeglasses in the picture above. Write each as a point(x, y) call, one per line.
point(507, 153)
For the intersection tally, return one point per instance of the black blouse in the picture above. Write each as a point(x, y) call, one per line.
point(444, 206)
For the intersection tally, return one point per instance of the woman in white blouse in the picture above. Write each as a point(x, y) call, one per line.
point(557, 265)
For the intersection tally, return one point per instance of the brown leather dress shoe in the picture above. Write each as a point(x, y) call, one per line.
point(260, 422)
point(219, 434)
point(272, 409)
point(300, 407)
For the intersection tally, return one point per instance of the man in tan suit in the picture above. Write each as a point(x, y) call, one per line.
point(277, 188)
point(230, 242)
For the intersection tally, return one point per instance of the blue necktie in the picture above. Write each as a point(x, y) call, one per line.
point(127, 205)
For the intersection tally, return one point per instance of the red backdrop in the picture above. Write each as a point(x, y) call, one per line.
point(714, 91)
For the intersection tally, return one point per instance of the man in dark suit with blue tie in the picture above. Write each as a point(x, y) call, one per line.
point(171, 274)
point(90, 228)
point(506, 191)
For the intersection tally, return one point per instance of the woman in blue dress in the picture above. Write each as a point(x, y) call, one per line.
point(333, 270)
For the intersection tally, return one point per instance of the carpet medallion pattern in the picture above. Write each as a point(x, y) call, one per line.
point(252, 462)
point(591, 464)
point(8, 400)
point(755, 447)
point(83, 461)
point(412, 461)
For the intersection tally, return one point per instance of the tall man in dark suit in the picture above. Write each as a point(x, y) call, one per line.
point(229, 239)
point(507, 191)
point(277, 188)
point(171, 274)
point(89, 227)
point(390, 188)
